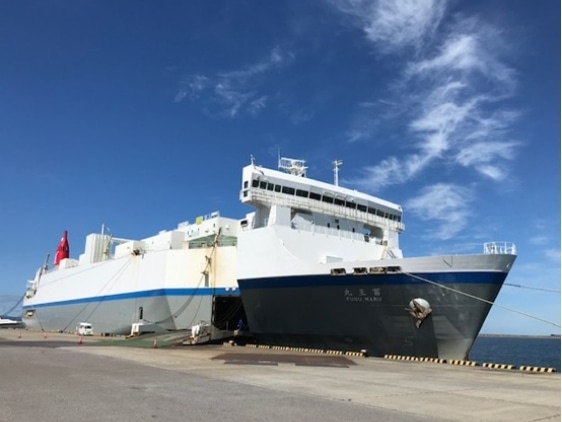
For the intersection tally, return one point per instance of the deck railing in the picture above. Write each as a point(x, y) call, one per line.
point(502, 248)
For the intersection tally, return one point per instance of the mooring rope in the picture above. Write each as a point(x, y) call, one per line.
point(542, 289)
point(480, 299)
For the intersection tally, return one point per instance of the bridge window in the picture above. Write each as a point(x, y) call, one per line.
point(277, 188)
point(362, 207)
point(245, 184)
point(302, 193)
point(263, 185)
point(314, 195)
point(338, 201)
point(270, 186)
point(350, 204)
point(327, 199)
point(255, 183)
point(288, 190)
point(371, 210)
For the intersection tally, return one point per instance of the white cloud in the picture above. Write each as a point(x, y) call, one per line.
point(191, 86)
point(235, 91)
point(257, 104)
point(232, 99)
point(494, 172)
point(448, 94)
point(276, 58)
point(539, 240)
point(482, 154)
point(471, 52)
point(385, 173)
point(395, 24)
point(553, 254)
point(446, 203)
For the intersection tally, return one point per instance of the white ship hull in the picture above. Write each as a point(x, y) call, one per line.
point(173, 289)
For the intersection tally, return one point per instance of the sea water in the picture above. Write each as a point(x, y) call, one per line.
point(517, 351)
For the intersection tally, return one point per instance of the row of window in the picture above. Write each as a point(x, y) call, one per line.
point(364, 270)
point(324, 198)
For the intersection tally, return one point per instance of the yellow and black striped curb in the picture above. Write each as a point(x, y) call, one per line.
point(470, 363)
point(334, 352)
point(536, 369)
point(463, 362)
point(497, 366)
point(400, 357)
point(433, 360)
point(414, 358)
point(355, 354)
point(362, 353)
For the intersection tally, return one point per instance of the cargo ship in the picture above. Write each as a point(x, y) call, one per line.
point(314, 264)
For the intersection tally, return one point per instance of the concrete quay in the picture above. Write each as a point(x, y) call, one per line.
point(57, 377)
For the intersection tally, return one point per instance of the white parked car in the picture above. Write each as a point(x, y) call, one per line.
point(84, 329)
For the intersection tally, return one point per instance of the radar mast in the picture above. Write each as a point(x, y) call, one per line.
point(337, 164)
point(293, 166)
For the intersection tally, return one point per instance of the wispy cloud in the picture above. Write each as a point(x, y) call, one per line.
point(553, 254)
point(539, 240)
point(192, 86)
point(234, 91)
point(395, 24)
point(549, 244)
point(446, 203)
point(447, 99)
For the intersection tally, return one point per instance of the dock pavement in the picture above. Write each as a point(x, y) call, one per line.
point(63, 377)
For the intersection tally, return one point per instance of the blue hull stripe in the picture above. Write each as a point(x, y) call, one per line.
point(201, 291)
point(472, 277)
point(298, 281)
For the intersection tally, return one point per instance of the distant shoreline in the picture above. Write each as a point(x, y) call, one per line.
point(552, 336)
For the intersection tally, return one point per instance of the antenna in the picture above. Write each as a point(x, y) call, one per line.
point(337, 164)
point(46, 264)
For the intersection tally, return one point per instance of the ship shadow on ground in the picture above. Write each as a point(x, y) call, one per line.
point(276, 359)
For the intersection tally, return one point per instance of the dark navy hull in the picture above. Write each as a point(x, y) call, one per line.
point(371, 311)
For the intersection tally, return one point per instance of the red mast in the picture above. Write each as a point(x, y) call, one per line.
point(63, 250)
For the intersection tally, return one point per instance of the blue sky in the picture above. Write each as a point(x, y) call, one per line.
point(141, 114)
